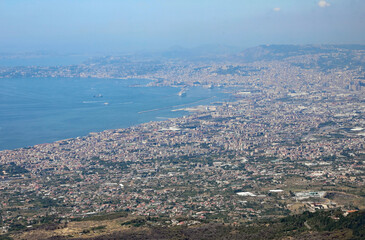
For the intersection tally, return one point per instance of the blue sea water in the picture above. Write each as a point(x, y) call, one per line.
point(42, 60)
point(41, 110)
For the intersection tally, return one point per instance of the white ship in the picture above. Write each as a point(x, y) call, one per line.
point(182, 93)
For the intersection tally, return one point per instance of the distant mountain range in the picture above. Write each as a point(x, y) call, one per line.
point(278, 52)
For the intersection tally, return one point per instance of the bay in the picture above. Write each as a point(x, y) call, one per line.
point(41, 110)
point(42, 60)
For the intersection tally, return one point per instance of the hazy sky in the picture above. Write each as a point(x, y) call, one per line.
point(129, 25)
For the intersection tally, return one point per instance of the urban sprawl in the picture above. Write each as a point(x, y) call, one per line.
point(292, 139)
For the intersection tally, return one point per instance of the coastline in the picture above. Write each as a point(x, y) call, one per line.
point(144, 116)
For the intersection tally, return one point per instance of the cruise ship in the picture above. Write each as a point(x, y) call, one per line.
point(182, 93)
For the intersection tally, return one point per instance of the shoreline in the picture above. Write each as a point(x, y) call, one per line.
point(174, 108)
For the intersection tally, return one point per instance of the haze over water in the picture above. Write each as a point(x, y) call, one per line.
point(41, 110)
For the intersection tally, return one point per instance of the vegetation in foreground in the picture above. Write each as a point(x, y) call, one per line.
point(333, 224)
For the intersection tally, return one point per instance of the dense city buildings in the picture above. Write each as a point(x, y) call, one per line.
point(291, 139)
